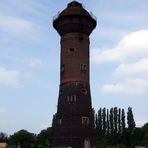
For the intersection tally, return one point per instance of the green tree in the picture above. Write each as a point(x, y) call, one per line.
point(104, 121)
point(131, 126)
point(3, 137)
point(45, 138)
point(107, 123)
point(99, 128)
point(115, 120)
point(22, 138)
point(123, 127)
point(119, 121)
point(100, 119)
point(138, 136)
point(145, 137)
point(111, 119)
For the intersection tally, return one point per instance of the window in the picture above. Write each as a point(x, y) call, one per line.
point(59, 121)
point(61, 91)
point(85, 120)
point(83, 67)
point(71, 50)
point(84, 91)
point(77, 83)
point(80, 36)
point(87, 143)
point(62, 68)
point(71, 98)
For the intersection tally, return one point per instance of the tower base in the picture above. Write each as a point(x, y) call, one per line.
point(75, 138)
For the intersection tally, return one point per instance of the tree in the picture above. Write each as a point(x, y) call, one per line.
point(123, 125)
point(107, 124)
point(99, 128)
point(138, 136)
point(145, 137)
point(119, 121)
point(104, 121)
point(45, 138)
point(100, 120)
point(131, 126)
point(22, 138)
point(111, 118)
point(130, 120)
point(3, 137)
point(115, 120)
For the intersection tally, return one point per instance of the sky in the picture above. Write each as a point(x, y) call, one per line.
point(30, 60)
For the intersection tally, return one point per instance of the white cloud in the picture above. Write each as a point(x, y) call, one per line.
point(131, 58)
point(35, 62)
point(9, 77)
point(140, 121)
point(130, 48)
point(129, 87)
point(14, 25)
point(139, 68)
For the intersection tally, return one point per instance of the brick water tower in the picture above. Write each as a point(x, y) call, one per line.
point(73, 123)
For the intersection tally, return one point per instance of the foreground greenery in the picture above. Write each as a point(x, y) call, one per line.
point(111, 129)
point(25, 139)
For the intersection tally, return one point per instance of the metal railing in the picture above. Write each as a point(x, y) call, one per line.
point(91, 14)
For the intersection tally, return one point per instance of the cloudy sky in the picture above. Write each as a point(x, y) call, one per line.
point(29, 60)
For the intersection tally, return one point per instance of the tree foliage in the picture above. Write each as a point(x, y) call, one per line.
point(45, 138)
point(22, 138)
point(3, 137)
point(111, 126)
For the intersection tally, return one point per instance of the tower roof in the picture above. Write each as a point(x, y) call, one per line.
point(74, 8)
point(83, 21)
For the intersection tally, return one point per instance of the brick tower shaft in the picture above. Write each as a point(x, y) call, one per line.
point(74, 58)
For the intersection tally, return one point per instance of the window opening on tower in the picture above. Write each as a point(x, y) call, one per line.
point(83, 67)
point(59, 121)
point(61, 91)
point(71, 98)
point(71, 50)
point(62, 68)
point(84, 91)
point(85, 120)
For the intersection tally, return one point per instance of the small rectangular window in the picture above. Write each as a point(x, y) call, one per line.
point(71, 50)
point(84, 91)
point(68, 98)
point(59, 121)
point(71, 98)
point(83, 67)
point(61, 91)
point(62, 68)
point(85, 120)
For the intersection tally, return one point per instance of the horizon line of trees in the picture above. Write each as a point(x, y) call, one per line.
point(113, 127)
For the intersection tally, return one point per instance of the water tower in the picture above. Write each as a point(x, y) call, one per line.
point(73, 123)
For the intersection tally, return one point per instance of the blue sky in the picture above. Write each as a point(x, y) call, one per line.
point(29, 60)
